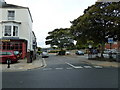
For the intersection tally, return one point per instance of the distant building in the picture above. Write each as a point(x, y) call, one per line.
point(115, 45)
point(16, 29)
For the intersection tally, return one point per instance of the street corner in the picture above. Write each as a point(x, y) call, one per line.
point(35, 65)
point(38, 63)
point(22, 65)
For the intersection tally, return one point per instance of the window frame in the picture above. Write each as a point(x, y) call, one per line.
point(7, 29)
point(12, 27)
point(16, 34)
point(10, 16)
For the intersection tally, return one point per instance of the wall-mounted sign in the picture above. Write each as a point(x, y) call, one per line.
point(110, 40)
point(5, 40)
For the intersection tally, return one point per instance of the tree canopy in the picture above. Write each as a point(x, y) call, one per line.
point(60, 38)
point(99, 22)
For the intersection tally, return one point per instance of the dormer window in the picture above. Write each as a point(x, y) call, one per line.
point(11, 15)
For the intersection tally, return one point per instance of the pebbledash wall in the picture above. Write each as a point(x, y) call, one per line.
point(16, 29)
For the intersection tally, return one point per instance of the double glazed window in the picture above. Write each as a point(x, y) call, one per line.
point(11, 30)
point(11, 15)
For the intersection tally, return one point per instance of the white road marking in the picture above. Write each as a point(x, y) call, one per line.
point(59, 68)
point(70, 64)
point(68, 68)
point(98, 66)
point(47, 69)
point(73, 65)
point(78, 67)
point(87, 66)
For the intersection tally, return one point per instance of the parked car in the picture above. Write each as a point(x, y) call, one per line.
point(109, 52)
point(18, 54)
point(10, 56)
point(79, 53)
point(67, 53)
point(45, 54)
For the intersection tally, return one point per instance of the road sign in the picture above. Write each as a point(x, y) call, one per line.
point(110, 40)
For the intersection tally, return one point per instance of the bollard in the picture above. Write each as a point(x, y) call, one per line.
point(8, 62)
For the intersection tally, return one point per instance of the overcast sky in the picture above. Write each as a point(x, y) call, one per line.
point(51, 14)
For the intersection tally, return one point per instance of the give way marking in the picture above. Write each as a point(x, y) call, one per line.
point(73, 65)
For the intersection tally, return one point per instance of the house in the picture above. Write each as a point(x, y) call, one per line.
point(34, 45)
point(115, 45)
point(16, 29)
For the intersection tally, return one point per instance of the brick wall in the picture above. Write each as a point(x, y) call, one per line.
point(113, 46)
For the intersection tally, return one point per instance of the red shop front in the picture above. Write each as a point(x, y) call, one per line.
point(16, 45)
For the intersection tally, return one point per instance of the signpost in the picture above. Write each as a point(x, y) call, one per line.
point(110, 41)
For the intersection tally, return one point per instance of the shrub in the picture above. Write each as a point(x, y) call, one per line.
point(53, 51)
point(39, 52)
point(62, 52)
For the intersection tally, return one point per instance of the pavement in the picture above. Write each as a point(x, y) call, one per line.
point(97, 62)
point(22, 64)
point(103, 63)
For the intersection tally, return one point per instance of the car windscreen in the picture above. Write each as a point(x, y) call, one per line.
point(16, 52)
point(5, 53)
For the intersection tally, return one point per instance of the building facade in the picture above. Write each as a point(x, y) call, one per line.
point(16, 29)
point(115, 45)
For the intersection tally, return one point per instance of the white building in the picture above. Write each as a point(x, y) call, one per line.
point(16, 28)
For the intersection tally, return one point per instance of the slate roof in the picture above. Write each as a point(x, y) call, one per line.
point(5, 5)
point(12, 6)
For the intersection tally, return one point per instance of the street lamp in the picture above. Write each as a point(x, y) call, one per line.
point(90, 53)
point(75, 42)
point(90, 46)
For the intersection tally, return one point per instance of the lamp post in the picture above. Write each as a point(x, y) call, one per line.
point(90, 53)
point(75, 42)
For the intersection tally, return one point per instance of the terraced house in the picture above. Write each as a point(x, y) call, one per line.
point(16, 29)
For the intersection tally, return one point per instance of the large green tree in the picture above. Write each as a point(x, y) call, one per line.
point(99, 22)
point(60, 38)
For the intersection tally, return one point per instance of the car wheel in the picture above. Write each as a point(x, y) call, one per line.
point(8, 61)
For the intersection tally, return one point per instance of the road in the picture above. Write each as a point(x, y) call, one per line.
point(63, 72)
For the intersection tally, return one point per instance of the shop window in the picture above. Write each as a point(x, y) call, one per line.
point(11, 46)
point(16, 46)
point(0, 47)
point(20, 45)
point(4, 46)
point(8, 46)
point(11, 15)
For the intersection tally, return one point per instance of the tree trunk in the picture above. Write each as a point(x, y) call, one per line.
point(102, 49)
